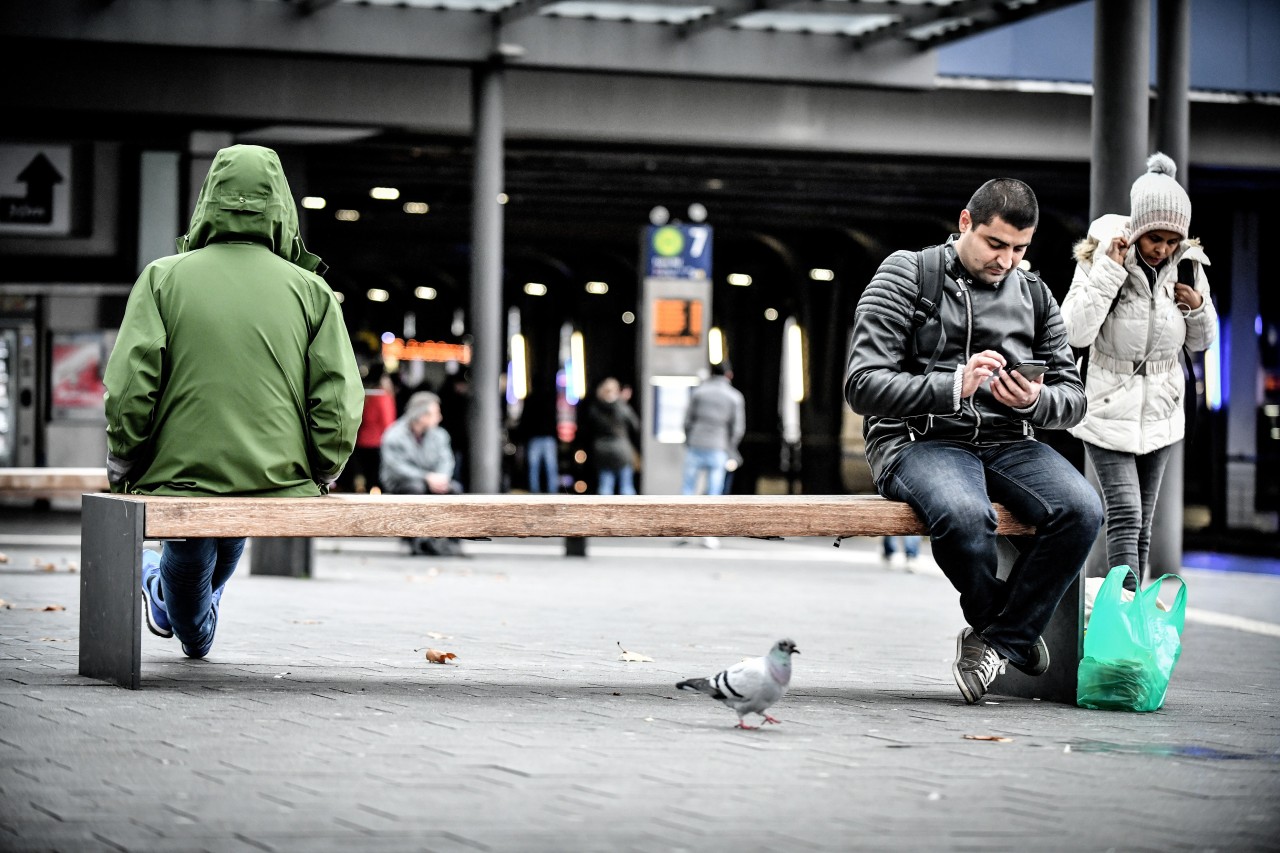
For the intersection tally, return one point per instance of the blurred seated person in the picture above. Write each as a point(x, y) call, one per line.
point(417, 459)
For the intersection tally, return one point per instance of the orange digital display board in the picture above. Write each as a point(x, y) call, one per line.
point(677, 322)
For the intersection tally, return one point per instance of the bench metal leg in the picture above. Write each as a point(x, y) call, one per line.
point(110, 589)
point(280, 556)
point(1065, 638)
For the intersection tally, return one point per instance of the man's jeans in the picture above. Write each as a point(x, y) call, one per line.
point(711, 461)
point(952, 485)
point(190, 571)
point(540, 455)
point(1130, 485)
point(621, 481)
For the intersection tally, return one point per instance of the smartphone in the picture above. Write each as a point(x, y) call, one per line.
point(1031, 368)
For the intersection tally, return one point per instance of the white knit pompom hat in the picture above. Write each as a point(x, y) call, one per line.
point(1157, 202)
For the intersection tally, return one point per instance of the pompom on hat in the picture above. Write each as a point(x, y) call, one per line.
point(1157, 202)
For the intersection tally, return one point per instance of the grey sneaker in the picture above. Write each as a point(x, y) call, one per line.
point(976, 666)
point(1037, 659)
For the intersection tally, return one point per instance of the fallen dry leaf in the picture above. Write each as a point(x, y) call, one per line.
point(437, 656)
point(305, 621)
point(6, 605)
point(4, 558)
point(49, 607)
point(72, 567)
point(51, 640)
point(633, 657)
point(995, 738)
point(47, 567)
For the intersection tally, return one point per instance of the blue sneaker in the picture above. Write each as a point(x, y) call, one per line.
point(203, 650)
point(152, 597)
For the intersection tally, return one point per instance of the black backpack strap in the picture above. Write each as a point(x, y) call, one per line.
point(930, 290)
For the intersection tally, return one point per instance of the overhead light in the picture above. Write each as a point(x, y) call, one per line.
point(377, 294)
point(628, 317)
point(416, 207)
point(384, 193)
point(715, 345)
point(819, 274)
point(518, 384)
point(346, 215)
point(771, 313)
point(313, 202)
point(340, 296)
point(577, 367)
point(534, 288)
point(503, 198)
point(697, 212)
point(425, 292)
point(659, 216)
point(740, 279)
point(599, 288)
point(794, 378)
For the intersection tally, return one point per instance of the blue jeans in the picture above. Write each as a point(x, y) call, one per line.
point(190, 571)
point(711, 461)
point(910, 546)
point(540, 455)
point(951, 485)
point(1130, 485)
point(621, 481)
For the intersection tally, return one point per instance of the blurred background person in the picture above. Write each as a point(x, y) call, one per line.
point(417, 459)
point(613, 422)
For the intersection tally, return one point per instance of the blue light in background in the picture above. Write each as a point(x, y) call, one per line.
point(1216, 374)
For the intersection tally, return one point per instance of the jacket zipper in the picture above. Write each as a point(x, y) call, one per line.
point(968, 342)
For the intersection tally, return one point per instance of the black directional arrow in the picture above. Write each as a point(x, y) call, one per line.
point(36, 208)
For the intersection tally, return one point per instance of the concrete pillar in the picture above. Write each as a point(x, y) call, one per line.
point(1173, 79)
point(487, 346)
point(1121, 83)
point(159, 199)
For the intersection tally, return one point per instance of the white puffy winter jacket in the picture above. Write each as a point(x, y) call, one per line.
point(1135, 384)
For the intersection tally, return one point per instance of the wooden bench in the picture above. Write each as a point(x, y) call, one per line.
point(45, 483)
point(114, 527)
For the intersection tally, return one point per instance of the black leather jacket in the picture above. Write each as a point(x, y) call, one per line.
point(886, 379)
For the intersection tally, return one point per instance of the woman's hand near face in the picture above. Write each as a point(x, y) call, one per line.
point(1117, 249)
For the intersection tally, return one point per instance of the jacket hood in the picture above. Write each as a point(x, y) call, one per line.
point(1111, 225)
point(246, 197)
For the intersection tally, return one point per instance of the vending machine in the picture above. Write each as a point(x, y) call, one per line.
point(17, 393)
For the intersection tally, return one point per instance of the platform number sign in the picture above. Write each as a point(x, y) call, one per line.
point(678, 251)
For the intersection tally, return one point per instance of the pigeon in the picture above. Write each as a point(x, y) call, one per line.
point(751, 686)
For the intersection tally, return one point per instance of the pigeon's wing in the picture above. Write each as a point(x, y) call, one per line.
point(746, 685)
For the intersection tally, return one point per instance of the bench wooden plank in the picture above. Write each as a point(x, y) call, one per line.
point(479, 516)
point(51, 482)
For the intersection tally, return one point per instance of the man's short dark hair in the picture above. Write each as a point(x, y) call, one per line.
point(1010, 199)
point(720, 368)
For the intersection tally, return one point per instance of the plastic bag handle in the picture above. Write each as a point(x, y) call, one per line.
point(1177, 614)
point(1114, 583)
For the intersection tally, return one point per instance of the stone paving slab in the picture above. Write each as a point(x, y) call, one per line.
point(316, 724)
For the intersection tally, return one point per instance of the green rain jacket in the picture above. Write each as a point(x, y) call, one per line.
point(233, 373)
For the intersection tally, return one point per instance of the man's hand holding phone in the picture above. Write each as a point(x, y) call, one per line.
point(1018, 387)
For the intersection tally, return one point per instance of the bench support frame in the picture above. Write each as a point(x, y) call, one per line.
point(111, 589)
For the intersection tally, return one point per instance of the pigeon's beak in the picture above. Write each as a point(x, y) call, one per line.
point(794, 650)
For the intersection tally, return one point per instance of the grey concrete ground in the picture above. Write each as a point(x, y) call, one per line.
point(316, 723)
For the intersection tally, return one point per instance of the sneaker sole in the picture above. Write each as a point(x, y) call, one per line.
point(146, 612)
point(955, 670)
point(1040, 670)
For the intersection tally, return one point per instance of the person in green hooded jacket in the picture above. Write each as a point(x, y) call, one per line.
point(232, 374)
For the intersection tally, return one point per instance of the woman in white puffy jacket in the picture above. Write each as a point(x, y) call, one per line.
point(1127, 305)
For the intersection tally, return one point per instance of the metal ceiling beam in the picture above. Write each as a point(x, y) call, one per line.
point(911, 17)
point(999, 15)
point(520, 9)
point(729, 12)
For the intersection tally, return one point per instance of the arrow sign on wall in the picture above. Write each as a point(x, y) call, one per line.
point(36, 208)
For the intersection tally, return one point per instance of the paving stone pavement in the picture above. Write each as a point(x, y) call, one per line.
point(317, 725)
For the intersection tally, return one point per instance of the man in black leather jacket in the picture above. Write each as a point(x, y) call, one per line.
point(950, 429)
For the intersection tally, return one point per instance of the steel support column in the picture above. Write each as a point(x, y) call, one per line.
point(1173, 80)
point(1121, 77)
point(486, 282)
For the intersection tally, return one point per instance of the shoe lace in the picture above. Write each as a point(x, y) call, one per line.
point(990, 665)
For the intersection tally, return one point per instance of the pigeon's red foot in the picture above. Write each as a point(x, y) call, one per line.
point(769, 719)
point(743, 725)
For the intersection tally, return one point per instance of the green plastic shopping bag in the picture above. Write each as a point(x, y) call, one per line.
point(1130, 647)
